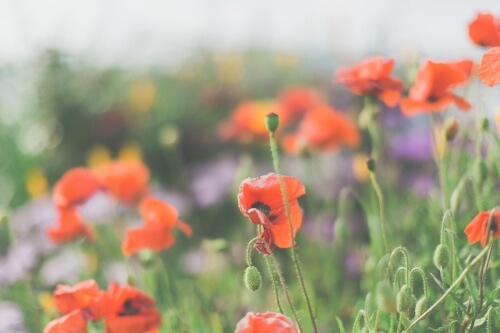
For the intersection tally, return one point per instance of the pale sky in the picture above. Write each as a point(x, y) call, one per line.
point(160, 32)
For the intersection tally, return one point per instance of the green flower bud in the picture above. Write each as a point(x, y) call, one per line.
point(451, 129)
point(272, 122)
point(441, 256)
point(131, 281)
point(421, 306)
point(404, 299)
point(481, 170)
point(386, 299)
point(370, 164)
point(485, 124)
point(410, 312)
point(252, 278)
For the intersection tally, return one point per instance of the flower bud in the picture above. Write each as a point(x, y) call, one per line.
point(485, 124)
point(410, 312)
point(272, 122)
point(252, 278)
point(481, 170)
point(441, 256)
point(404, 299)
point(421, 306)
point(370, 164)
point(131, 281)
point(451, 129)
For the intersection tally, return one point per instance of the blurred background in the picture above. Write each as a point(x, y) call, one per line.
point(86, 82)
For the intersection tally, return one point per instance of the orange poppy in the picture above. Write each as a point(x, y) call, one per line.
point(322, 129)
point(485, 30)
point(265, 322)
point(84, 295)
point(68, 227)
point(247, 121)
point(75, 187)
point(372, 77)
point(261, 201)
point(73, 322)
point(295, 100)
point(156, 234)
point(476, 229)
point(127, 181)
point(489, 70)
point(432, 90)
point(130, 311)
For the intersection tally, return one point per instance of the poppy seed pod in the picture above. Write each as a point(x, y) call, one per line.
point(441, 256)
point(272, 122)
point(252, 278)
point(370, 164)
point(404, 299)
point(421, 306)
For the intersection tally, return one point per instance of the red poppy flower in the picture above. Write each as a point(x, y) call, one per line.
point(432, 89)
point(73, 322)
point(476, 230)
point(68, 227)
point(156, 234)
point(75, 187)
point(125, 180)
point(264, 323)
point(485, 30)
point(84, 295)
point(372, 77)
point(248, 120)
point(131, 311)
point(489, 70)
point(295, 100)
point(261, 201)
point(322, 129)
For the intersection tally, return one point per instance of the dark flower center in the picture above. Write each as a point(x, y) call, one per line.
point(432, 99)
point(494, 227)
point(129, 309)
point(262, 207)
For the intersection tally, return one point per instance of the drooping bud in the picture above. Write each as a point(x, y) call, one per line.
point(481, 170)
point(410, 312)
point(386, 299)
point(441, 256)
point(370, 164)
point(421, 306)
point(485, 124)
point(272, 122)
point(451, 129)
point(252, 278)
point(404, 299)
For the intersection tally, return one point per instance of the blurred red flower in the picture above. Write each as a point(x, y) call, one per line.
point(295, 100)
point(130, 311)
point(372, 77)
point(265, 322)
point(127, 181)
point(84, 295)
point(75, 187)
point(485, 30)
point(261, 201)
point(247, 120)
point(432, 90)
point(69, 226)
point(73, 322)
point(322, 129)
point(157, 232)
point(489, 70)
point(476, 230)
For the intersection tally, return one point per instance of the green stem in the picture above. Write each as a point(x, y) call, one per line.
point(248, 257)
point(275, 285)
point(380, 197)
point(275, 157)
point(450, 289)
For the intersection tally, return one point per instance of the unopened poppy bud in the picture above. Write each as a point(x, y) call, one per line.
point(481, 170)
point(370, 164)
point(404, 299)
point(441, 256)
point(272, 122)
point(252, 278)
point(386, 299)
point(451, 129)
point(410, 312)
point(340, 229)
point(421, 306)
point(485, 124)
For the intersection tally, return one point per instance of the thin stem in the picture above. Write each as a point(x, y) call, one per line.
point(380, 197)
point(275, 157)
point(450, 289)
point(275, 285)
point(248, 257)
point(375, 325)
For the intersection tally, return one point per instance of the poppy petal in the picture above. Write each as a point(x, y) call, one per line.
point(489, 70)
point(73, 322)
point(155, 238)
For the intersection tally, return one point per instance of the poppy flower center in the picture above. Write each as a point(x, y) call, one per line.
point(432, 99)
point(494, 227)
point(129, 309)
point(262, 207)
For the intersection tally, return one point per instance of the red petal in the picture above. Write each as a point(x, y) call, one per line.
point(489, 70)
